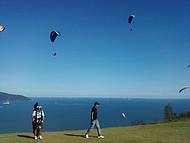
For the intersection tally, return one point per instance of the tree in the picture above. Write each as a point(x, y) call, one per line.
point(168, 113)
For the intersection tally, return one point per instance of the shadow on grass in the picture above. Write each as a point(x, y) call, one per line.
point(25, 136)
point(77, 135)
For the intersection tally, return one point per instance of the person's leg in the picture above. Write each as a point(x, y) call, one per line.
point(40, 133)
point(39, 130)
point(36, 134)
point(91, 127)
point(33, 129)
point(98, 128)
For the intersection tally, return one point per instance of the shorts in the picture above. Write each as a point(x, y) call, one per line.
point(37, 125)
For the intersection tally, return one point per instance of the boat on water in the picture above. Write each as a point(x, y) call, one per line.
point(6, 102)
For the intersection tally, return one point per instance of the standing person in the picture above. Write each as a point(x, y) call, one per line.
point(94, 121)
point(38, 119)
point(33, 123)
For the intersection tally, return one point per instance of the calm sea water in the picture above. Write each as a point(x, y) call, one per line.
point(74, 113)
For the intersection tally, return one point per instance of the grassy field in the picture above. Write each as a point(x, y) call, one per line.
point(174, 132)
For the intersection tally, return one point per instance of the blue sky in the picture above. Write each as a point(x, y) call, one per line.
point(97, 54)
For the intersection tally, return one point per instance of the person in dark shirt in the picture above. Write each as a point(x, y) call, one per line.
point(94, 121)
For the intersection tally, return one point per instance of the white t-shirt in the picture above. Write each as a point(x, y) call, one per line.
point(39, 114)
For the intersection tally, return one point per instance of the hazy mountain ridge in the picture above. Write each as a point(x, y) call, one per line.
point(12, 97)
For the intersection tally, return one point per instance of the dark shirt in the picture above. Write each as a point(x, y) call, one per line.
point(93, 113)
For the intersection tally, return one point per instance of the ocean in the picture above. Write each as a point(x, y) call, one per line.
point(74, 113)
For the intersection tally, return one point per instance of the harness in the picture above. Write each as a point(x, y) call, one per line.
point(37, 120)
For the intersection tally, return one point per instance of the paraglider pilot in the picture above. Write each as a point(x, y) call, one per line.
point(38, 120)
point(94, 121)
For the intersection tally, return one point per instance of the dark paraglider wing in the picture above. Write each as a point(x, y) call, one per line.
point(130, 18)
point(184, 88)
point(53, 35)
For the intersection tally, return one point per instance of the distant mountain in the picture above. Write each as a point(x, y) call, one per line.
point(12, 97)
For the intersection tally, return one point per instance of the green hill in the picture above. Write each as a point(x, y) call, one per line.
point(173, 132)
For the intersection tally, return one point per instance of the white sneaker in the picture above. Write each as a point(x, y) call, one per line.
point(101, 137)
point(40, 137)
point(86, 136)
point(35, 137)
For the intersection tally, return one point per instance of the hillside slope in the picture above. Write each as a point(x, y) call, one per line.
point(175, 132)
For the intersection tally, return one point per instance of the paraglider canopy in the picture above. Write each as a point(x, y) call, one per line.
point(123, 115)
point(53, 35)
point(130, 18)
point(184, 88)
point(2, 28)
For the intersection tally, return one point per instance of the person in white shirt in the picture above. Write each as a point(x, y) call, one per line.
point(38, 120)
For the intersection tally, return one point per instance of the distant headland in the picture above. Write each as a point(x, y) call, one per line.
point(6, 98)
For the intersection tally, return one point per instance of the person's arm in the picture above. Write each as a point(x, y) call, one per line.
point(33, 116)
point(43, 115)
point(92, 115)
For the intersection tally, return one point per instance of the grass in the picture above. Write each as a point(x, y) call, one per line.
point(173, 132)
